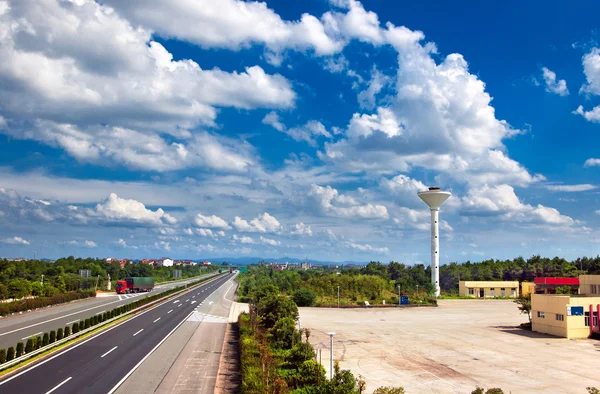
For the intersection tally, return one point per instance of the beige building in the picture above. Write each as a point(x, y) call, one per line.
point(488, 289)
point(568, 316)
point(527, 288)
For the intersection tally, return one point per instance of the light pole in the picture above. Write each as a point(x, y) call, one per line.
point(399, 295)
point(42, 282)
point(338, 296)
point(331, 334)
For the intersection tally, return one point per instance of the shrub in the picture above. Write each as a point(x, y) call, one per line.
point(94, 320)
point(87, 324)
point(19, 351)
point(67, 331)
point(389, 390)
point(52, 336)
point(38, 342)
point(51, 298)
point(29, 345)
point(2, 356)
point(75, 328)
point(59, 334)
point(10, 354)
point(305, 297)
point(45, 339)
point(81, 325)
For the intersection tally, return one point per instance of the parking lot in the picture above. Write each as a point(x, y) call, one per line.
point(452, 349)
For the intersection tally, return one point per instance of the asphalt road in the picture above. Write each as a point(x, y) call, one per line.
point(18, 328)
point(100, 364)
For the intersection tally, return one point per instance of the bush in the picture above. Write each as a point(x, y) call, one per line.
point(19, 351)
point(81, 325)
point(45, 339)
point(10, 354)
point(59, 334)
point(51, 298)
point(52, 336)
point(29, 346)
point(305, 297)
point(87, 324)
point(389, 390)
point(67, 331)
point(2, 356)
point(75, 328)
point(38, 342)
point(94, 320)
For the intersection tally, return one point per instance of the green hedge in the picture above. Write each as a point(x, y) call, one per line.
point(40, 302)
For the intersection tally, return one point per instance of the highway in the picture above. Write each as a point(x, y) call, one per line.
point(103, 362)
point(18, 328)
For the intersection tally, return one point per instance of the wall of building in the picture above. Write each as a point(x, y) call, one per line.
point(551, 305)
point(587, 283)
point(527, 288)
point(487, 286)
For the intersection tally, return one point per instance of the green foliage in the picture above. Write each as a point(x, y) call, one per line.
point(35, 303)
point(2, 356)
point(45, 339)
point(563, 290)
point(284, 333)
point(273, 307)
point(59, 334)
point(305, 297)
point(389, 390)
point(29, 345)
point(592, 390)
point(480, 390)
point(86, 324)
point(19, 351)
point(67, 331)
point(81, 325)
point(52, 336)
point(38, 342)
point(524, 304)
point(10, 354)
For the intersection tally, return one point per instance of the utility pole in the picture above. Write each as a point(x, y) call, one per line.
point(42, 281)
point(338, 296)
point(331, 334)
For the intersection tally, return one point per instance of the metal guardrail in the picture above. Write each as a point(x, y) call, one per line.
point(42, 349)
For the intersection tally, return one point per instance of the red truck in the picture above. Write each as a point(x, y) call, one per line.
point(134, 285)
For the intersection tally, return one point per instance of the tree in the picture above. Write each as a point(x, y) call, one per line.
point(45, 339)
point(38, 342)
point(284, 333)
point(274, 307)
point(389, 390)
point(67, 331)
point(2, 356)
point(19, 351)
point(75, 328)
point(524, 304)
point(59, 334)
point(29, 345)
point(52, 336)
point(304, 297)
point(563, 289)
point(10, 354)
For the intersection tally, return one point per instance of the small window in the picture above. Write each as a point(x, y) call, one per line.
point(541, 315)
point(560, 317)
point(492, 289)
point(471, 291)
point(502, 288)
point(593, 289)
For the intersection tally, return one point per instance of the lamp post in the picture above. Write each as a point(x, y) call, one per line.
point(42, 281)
point(338, 296)
point(331, 334)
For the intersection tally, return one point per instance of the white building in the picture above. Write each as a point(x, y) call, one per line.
point(166, 262)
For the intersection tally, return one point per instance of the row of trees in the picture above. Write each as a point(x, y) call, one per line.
point(20, 279)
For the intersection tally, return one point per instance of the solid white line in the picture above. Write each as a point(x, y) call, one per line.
point(66, 380)
point(156, 320)
point(99, 313)
point(32, 335)
point(108, 352)
point(58, 354)
point(74, 321)
point(138, 332)
point(170, 311)
point(148, 355)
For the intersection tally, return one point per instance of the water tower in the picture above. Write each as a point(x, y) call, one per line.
point(435, 198)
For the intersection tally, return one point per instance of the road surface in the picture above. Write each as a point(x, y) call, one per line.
point(19, 328)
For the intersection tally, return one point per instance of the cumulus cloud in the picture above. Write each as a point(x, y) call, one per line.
point(301, 229)
point(264, 223)
point(501, 201)
point(552, 85)
point(119, 209)
point(330, 202)
point(403, 188)
point(592, 163)
point(66, 83)
point(367, 248)
point(367, 98)
point(591, 69)
point(591, 116)
point(210, 221)
point(268, 241)
point(307, 133)
point(571, 188)
point(90, 244)
point(121, 242)
point(243, 239)
point(16, 241)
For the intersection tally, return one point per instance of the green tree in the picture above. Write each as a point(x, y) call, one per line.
point(67, 331)
point(304, 297)
point(563, 289)
point(389, 390)
point(19, 288)
point(38, 342)
point(52, 336)
point(284, 333)
point(19, 351)
point(29, 345)
point(274, 307)
point(59, 334)
point(524, 304)
point(10, 354)
point(2, 356)
point(45, 339)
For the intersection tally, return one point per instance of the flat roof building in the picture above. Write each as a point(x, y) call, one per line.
point(488, 289)
point(568, 316)
point(545, 285)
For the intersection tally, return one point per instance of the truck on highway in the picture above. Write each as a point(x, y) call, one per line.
point(134, 285)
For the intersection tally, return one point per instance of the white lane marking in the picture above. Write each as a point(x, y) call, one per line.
point(193, 302)
point(65, 381)
point(193, 296)
point(74, 321)
point(156, 320)
point(148, 355)
point(210, 303)
point(99, 313)
point(187, 300)
point(178, 305)
point(108, 352)
point(176, 302)
point(86, 341)
point(138, 332)
point(170, 311)
point(32, 335)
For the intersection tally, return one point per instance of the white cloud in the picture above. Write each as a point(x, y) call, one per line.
point(367, 248)
point(205, 232)
point(268, 241)
point(210, 221)
point(15, 241)
point(307, 133)
point(571, 188)
point(301, 229)
point(403, 188)
point(188, 231)
point(121, 242)
point(243, 239)
point(591, 69)
point(590, 116)
point(119, 209)
point(90, 244)
point(597, 212)
point(592, 163)
point(336, 64)
point(229, 24)
point(273, 119)
point(264, 223)
point(330, 202)
point(552, 85)
point(367, 98)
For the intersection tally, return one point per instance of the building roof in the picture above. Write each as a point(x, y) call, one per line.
point(556, 281)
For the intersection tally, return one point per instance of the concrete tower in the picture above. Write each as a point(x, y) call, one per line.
point(434, 198)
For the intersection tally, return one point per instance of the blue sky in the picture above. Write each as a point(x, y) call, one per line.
point(210, 128)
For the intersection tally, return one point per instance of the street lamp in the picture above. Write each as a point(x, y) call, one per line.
point(338, 296)
point(331, 334)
